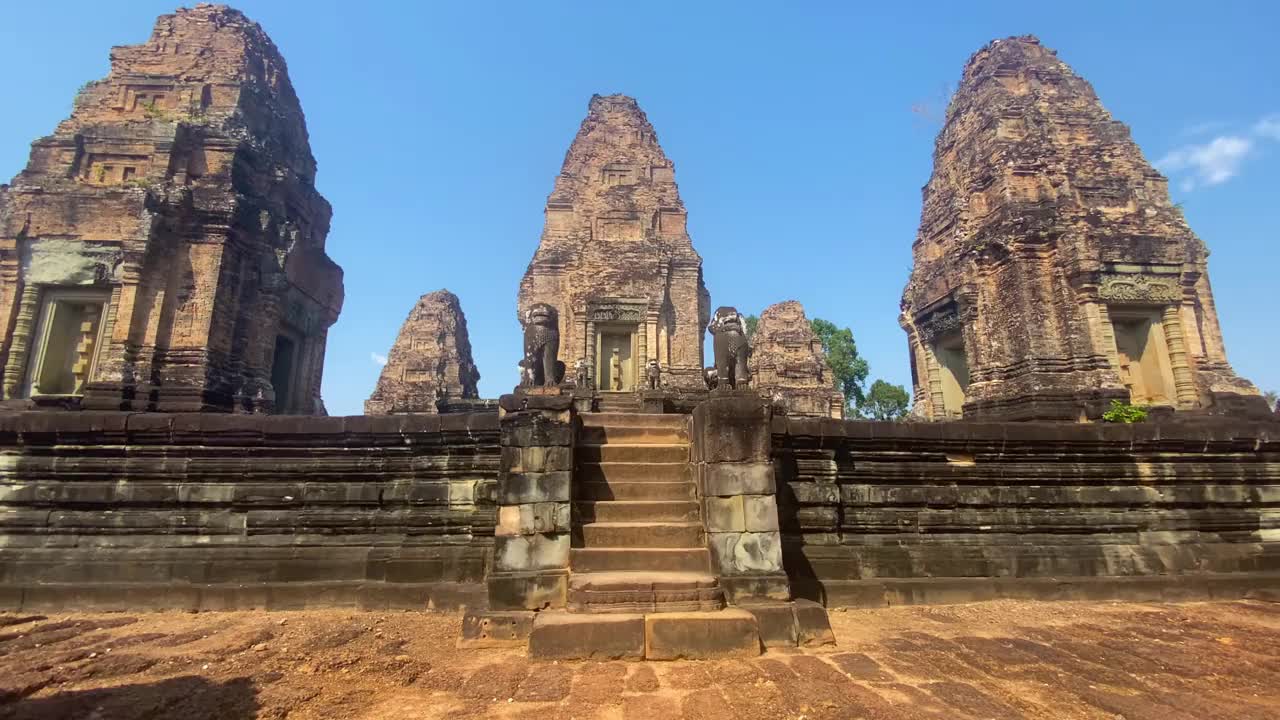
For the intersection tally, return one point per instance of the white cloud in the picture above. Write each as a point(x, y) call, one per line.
point(378, 359)
point(1212, 163)
point(1268, 127)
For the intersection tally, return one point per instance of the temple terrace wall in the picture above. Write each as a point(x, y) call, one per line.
point(881, 513)
point(206, 511)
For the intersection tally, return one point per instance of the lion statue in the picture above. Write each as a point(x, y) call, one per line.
point(729, 332)
point(541, 344)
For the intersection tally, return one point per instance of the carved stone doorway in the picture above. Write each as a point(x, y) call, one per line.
point(615, 341)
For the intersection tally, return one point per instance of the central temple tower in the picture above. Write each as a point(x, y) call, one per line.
point(615, 258)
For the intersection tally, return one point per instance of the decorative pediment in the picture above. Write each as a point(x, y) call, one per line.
point(1140, 288)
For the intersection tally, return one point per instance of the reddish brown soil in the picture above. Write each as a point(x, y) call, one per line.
point(997, 660)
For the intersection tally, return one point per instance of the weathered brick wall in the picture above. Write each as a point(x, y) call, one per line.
point(209, 511)
point(876, 513)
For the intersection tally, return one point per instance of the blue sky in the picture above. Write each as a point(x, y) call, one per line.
point(801, 133)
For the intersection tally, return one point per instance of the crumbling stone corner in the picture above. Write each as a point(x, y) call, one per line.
point(531, 540)
point(731, 445)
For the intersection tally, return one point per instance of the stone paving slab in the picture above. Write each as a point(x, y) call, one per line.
point(1003, 659)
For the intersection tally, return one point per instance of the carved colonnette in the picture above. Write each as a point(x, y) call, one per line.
point(887, 513)
point(207, 511)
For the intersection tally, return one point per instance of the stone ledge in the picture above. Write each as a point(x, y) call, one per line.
point(728, 633)
point(137, 597)
point(568, 636)
point(943, 591)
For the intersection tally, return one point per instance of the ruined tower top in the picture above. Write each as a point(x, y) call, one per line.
point(613, 173)
point(174, 217)
point(1052, 273)
point(209, 65)
point(1023, 128)
point(615, 249)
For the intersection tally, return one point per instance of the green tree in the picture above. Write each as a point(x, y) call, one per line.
point(885, 401)
point(850, 369)
point(752, 322)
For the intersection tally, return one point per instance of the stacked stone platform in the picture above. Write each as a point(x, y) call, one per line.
point(881, 513)
point(129, 511)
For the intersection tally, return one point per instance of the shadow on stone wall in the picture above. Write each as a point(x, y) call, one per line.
point(190, 698)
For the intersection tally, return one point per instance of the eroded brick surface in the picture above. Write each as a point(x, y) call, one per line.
point(1044, 234)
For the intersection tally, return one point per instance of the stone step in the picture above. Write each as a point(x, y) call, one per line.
point(637, 511)
point(652, 490)
point(634, 472)
point(607, 402)
point(561, 635)
point(621, 592)
point(647, 453)
point(644, 420)
point(727, 633)
point(641, 535)
point(629, 435)
point(587, 560)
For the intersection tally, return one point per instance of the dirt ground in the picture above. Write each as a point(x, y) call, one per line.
point(995, 660)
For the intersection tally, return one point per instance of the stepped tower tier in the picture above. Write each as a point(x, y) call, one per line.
point(1051, 272)
point(164, 249)
point(615, 258)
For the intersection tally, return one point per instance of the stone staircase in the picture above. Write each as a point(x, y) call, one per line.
point(638, 541)
point(611, 403)
point(640, 577)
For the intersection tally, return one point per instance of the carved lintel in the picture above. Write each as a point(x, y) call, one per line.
point(939, 324)
point(1140, 288)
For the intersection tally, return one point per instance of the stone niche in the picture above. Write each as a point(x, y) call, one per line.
point(789, 367)
point(430, 363)
point(616, 260)
point(137, 271)
point(1051, 272)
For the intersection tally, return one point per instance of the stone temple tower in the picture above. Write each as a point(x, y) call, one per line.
point(1052, 274)
point(615, 258)
point(164, 248)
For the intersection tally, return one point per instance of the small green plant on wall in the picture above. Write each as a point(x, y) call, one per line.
point(153, 111)
point(1123, 412)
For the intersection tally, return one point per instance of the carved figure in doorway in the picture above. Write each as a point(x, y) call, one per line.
point(541, 344)
point(654, 374)
point(580, 373)
point(615, 370)
point(730, 344)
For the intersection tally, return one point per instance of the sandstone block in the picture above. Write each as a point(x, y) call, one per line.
point(729, 633)
point(813, 626)
point(526, 591)
point(728, 479)
point(746, 553)
point(567, 636)
point(732, 428)
point(725, 514)
point(490, 628)
point(522, 553)
point(537, 459)
point(533, 518)
point(761, 513)
point(776, 621)
point(533, 487)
